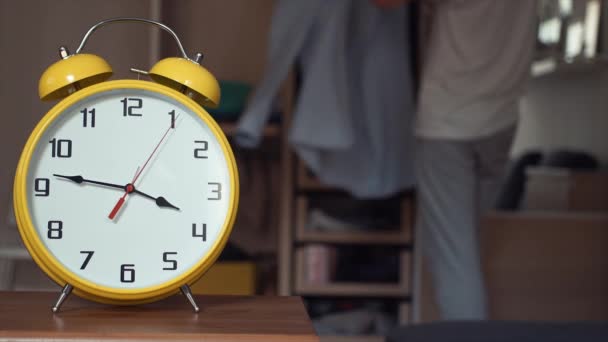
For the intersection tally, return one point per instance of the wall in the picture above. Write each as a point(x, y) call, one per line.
point(30, 35)
point(231, 33)
point(567, 109)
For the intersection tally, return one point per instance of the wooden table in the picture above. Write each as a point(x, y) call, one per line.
point(27, 315)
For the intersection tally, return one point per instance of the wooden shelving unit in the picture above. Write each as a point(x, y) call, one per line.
point(354, 289)
point(397, 236)
point(296, 234)
point(354, 238)
point(270, 131)
point(366, 290)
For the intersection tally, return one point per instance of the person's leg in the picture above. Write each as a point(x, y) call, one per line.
point(447, 226)
point(492, 157)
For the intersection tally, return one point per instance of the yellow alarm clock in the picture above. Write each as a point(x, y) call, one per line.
point(126, 190)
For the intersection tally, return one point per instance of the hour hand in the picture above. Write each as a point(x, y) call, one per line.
point(79, 179)
point(129, 188)
point(160, 201)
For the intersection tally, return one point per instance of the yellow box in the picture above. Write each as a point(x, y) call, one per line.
point(228, 278)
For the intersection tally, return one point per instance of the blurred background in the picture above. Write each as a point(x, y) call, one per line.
point(314, 225)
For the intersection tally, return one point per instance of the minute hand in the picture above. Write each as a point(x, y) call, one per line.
point(79, 179)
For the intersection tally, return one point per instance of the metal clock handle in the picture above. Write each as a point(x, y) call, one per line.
point(132, 20)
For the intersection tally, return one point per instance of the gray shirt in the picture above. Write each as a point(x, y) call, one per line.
point(476, 67)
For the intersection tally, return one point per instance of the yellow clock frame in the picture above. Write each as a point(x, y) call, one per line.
point(58, 272)
point(170, 73)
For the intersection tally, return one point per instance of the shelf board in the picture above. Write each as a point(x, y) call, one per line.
point(353, 290)
point(271, 130)
point(400, 237)
point(307, 182)
point(393, 237)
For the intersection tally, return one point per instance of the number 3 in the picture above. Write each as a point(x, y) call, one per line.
point(217, 191)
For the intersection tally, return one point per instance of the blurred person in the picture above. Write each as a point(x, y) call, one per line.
point(475, 65)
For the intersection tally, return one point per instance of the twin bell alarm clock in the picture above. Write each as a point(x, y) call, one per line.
point(126, 190)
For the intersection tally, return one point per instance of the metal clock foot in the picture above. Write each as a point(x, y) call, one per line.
point(186, 291)
point(67, 289)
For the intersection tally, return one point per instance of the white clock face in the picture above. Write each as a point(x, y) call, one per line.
point(171, 217)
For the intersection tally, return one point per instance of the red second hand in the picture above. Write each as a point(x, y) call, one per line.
point(117, 206)
point(121, 200)
point(130, 186)
point(152, 154)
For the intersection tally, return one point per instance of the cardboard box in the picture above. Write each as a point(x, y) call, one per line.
point(559, 189)
point(539, 266)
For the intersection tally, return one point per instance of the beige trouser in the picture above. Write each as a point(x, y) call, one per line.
point(456, 181)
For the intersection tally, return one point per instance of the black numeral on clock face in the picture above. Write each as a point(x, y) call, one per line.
point(173, 263)
point(216, 191)
point(61, 148)
point(55, 230)
point(203, 233)
point(88, 117)
point(127, 273)
point(86, 259)
point(42, 187)
point(172, 113)
point(199, 153)
point(130, 104)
